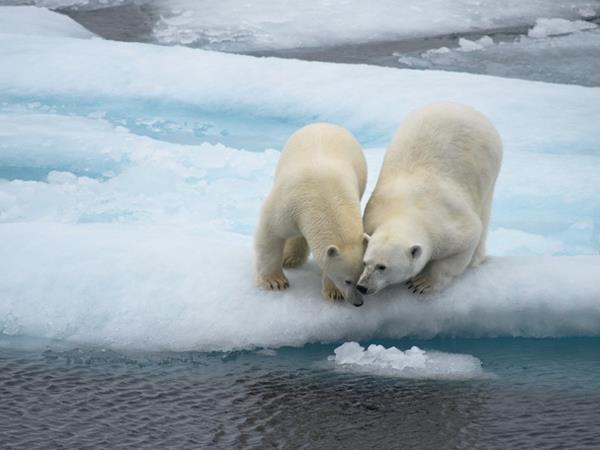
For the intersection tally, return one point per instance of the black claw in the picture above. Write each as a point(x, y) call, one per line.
point(414, 290)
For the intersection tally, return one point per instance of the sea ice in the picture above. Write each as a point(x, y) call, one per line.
point(411, 363)
point(555, 48)
point(233, 26)
point(39, 21)
point(467, 45)
point(121, 235)
point(553, 27)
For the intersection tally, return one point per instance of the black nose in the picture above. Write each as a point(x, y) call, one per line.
point(361, 289)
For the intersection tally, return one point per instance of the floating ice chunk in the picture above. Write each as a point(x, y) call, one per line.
point(569, 58)
point(466, 45)
point(553, 27)
point(39, 21)
point(411, 363)
point(266, 352)
point(438, 51)
point(586, 11)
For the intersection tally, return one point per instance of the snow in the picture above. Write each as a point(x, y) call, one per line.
point(552, 27)
point(131, 177)
point(31, 20)
point(166, 287)
point(411, 363)
point(237, 26)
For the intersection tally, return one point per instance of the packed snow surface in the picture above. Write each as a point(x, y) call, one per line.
point(131, 177)
point(411, 363)
point(39, 21)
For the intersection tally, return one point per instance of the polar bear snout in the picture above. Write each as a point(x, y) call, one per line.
point(354, 297)
point(364, 290)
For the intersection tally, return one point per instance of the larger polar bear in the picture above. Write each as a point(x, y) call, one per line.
point(428, 216)
point(315, 206)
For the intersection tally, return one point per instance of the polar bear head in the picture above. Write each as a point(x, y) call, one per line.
point(390, 258)
point(343, 266)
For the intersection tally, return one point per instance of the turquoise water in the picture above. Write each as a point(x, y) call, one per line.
point(183, 123)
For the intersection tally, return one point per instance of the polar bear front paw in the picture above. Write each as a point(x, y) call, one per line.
point(420, 284)
point(331, 293)
point(274, 282)
point(293, 261)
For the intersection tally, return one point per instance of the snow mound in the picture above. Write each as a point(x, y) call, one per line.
point(553, 27)
point(412, 363)
point(31, 20)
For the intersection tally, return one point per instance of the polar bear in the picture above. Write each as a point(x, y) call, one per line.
point(428, 216)
point(314, 205)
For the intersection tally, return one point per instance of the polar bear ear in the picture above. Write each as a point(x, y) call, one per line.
point(332, 251)
point(415, 251)
point(366, 238)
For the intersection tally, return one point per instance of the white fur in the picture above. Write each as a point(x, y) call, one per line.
point(315, 200)
point(433, 198)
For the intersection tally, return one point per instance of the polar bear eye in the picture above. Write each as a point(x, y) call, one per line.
point(380, 267)
point(348, 282)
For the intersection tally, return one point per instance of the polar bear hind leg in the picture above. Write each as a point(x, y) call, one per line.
point(269, 258)
point(480, 256)
point(295, 252)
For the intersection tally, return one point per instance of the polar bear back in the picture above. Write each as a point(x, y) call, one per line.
point(446, 141)
point(322, 150)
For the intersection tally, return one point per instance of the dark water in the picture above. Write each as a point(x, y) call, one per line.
point(546, 394)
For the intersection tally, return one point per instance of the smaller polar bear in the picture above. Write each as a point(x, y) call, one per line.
point(315, 206)
point(429, 213)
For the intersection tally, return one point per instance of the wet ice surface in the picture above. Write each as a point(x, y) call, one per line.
point(544, 394)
